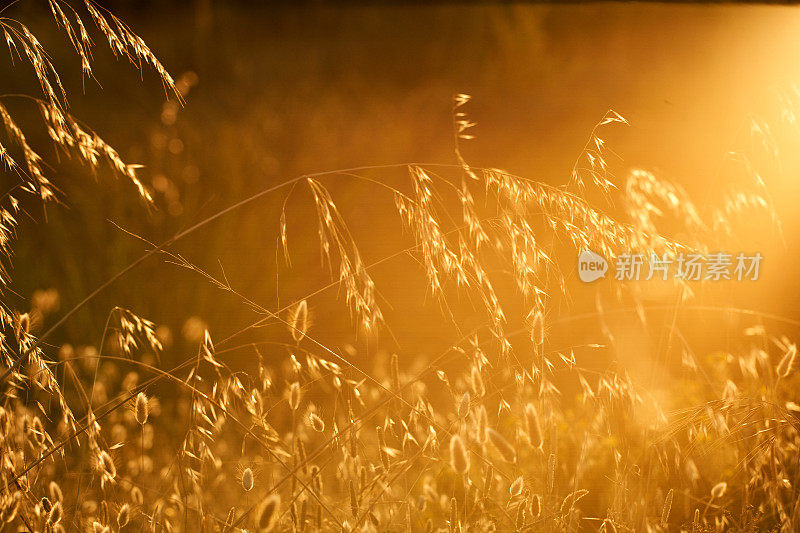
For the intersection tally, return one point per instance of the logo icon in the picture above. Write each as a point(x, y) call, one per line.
point(591, 266)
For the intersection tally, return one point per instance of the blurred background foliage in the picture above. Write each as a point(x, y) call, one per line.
point(274, 92)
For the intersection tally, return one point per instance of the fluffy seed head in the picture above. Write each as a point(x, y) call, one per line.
point(294, 396)
point(248, 479)
point(667, 507)
point(230, 519)
point(463, 406)
point(268, 513)
point(488, 481)
point(353, 499)
point(317, 424)
point(124, 515)
point(55, 514)
point(482, 424)
point(55, 492)
point(501, 445)
point(106, 464)
point(395, 370)
point(142, 409)
point(478, 387)
point(787, 362)
point(536, 506)
point(24, 325)
point(718, 490)
point(537, 328)
point(533, 426)
point(551, 471)
point(459, 457)
point(298, 321)
point(516, 487)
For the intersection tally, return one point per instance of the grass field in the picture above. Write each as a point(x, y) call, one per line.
point(319, 269)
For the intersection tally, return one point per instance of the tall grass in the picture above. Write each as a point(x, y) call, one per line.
point(499, 430)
